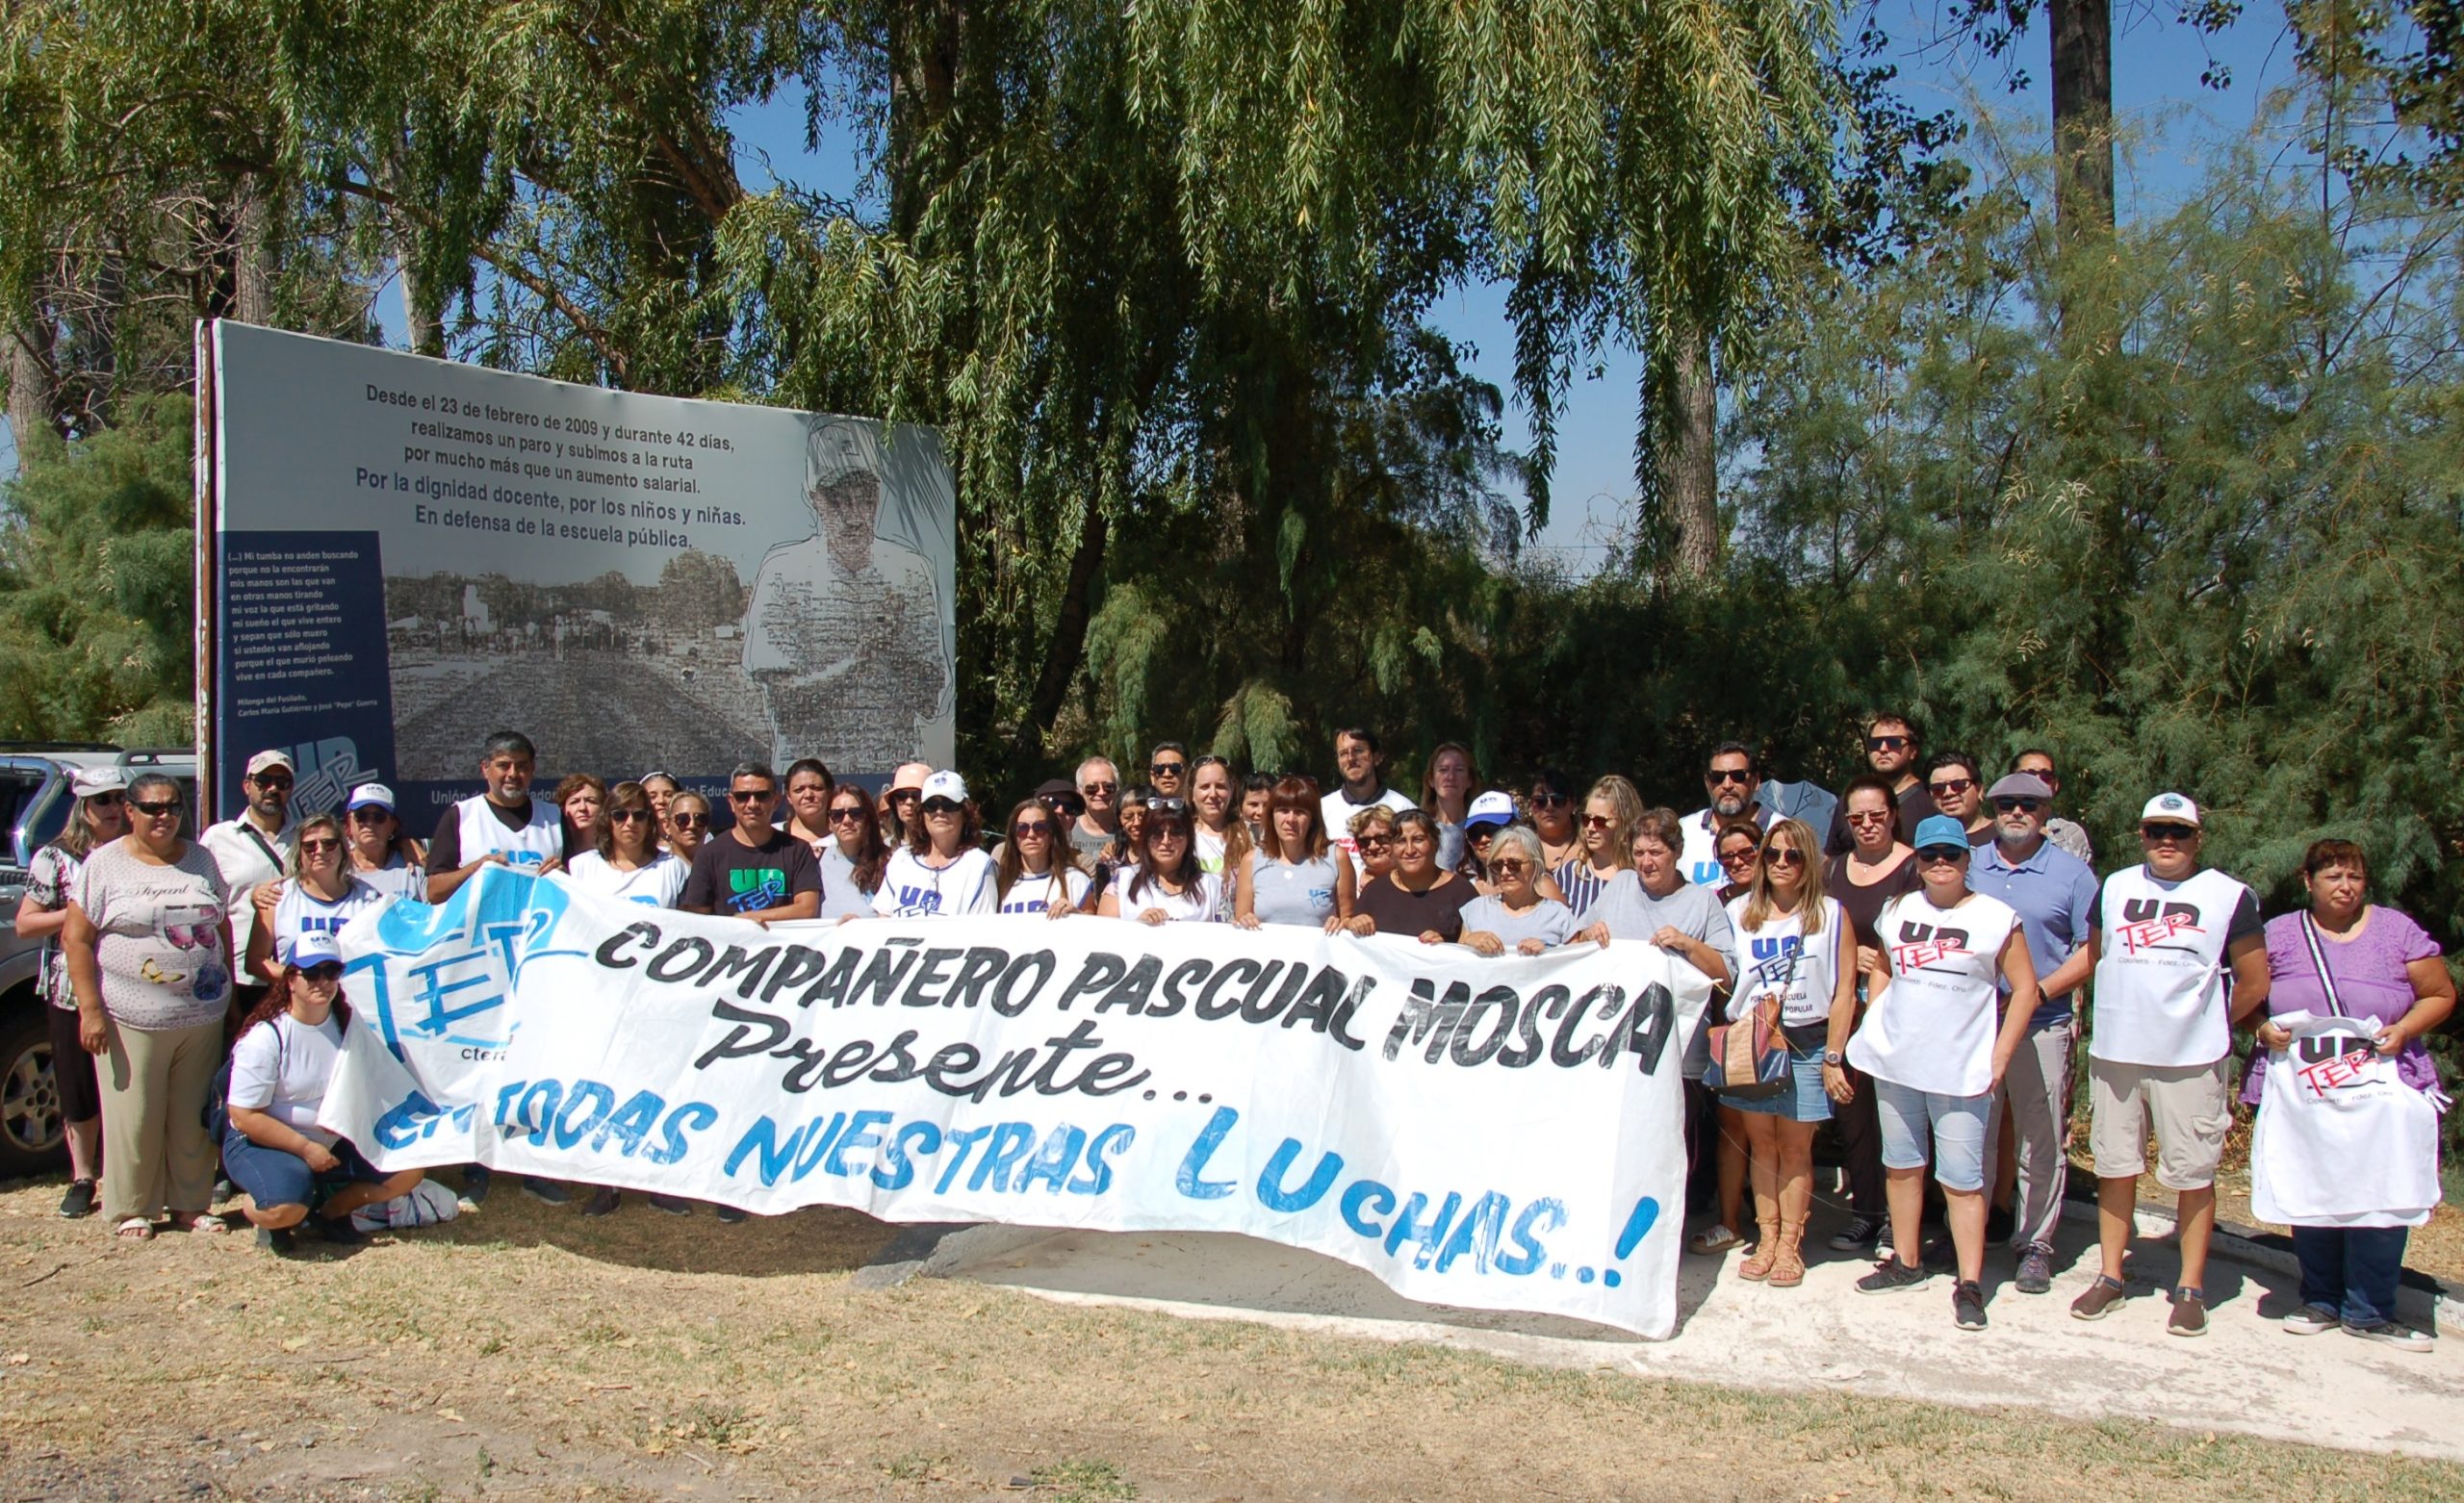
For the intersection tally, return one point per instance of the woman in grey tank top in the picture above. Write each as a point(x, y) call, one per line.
point(1294, 876)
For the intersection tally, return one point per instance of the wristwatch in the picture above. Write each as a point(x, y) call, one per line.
point(1833, 1056)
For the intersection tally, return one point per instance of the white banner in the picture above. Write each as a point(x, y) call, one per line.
point(1496, 1134)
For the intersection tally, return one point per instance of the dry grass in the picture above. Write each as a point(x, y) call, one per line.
point(530, 1354)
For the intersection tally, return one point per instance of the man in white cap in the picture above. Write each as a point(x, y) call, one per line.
point(254, 848)
point(2161, 941)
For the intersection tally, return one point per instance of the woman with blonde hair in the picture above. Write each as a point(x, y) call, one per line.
point(1795, 964)
point(1607, 843)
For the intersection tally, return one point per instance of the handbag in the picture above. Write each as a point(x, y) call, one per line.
point(1750, 1057)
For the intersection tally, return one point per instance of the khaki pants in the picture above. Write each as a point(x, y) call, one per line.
point(2038, 1088)
point(156, 1154)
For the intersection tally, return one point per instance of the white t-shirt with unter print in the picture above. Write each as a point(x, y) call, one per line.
point(1933, 1028)
point(1778, 956)
point(2162, 978)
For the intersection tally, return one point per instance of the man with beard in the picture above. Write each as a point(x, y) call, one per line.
point(1732, 781)
point(843, 629)
point(1891, 750)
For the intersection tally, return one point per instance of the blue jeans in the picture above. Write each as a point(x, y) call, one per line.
point(2351, 1270)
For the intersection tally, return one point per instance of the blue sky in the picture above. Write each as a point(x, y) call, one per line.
point(2157, 63)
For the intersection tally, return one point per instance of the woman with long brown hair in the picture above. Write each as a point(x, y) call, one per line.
point(272, 1145)
point(1295, 875)
point(853, 862)
point(629, 865)
point(1035, 874)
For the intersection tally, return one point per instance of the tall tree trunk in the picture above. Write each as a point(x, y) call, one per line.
point(2083, 116)
point(1688, 459)
point(252, 253)
point(423, 322)
point(33, 397)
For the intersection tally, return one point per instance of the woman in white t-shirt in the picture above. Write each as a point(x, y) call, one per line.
point(1795, 958)
point(944, 872)
point(1931, 1043)
point(1167, 885)
point(853, 862)
point(1222, 841)
point(321, 895)
point(629, 865)
point(272, 1148)
point(1035, 874)
point(379, 853)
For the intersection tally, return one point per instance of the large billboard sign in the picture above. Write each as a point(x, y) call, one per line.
point(398, 555)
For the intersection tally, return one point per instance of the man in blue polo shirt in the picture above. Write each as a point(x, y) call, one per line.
point(2053, 892)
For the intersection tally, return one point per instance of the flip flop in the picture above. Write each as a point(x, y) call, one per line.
point(206, 1223)
point(135, 1229)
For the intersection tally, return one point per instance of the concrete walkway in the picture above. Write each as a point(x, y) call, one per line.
point(2247, 1374)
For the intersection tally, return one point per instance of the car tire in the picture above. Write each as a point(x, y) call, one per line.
point(32, 1140)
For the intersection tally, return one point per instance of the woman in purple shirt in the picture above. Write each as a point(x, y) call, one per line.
point(2387, 972)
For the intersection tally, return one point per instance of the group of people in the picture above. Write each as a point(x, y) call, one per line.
point(1918, 971)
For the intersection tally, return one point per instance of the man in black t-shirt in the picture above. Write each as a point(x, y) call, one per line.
point(754, 871)
point(1892, 751)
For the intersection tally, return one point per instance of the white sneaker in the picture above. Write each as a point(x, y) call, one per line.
point(2404, 1339)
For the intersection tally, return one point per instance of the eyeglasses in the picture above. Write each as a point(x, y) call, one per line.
point(106, 801)
point(1885, 743)
point(1597, 821)
point(274, 784)
point(1375, 842)
point(1025, 827)
point(1549, 800)
point(1934, 855)
point(328, 971)
point(320, 847)
point(934, 806)
point(373, 814)
point(1783, 856)
point(629, 816)
point(1870, 817)
point(1168, 806)
point(1092, 789)
point(156, 808)
point(905, 795)
point(1504, 865)
point(2024, 805)
point(2169, 831)
point(847, 815)
point(1952, 786)
point(1745, 857)
point(1726, 774)
point(752, 795)
point(689, 821)
point(1168, 769)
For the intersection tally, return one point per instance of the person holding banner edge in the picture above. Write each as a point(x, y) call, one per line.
point(501, 825)
point(1167, 885)
point(755, 871)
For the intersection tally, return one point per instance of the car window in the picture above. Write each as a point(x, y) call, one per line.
point(18, 788)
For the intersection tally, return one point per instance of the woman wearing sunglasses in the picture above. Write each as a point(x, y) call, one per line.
point(1032, 876)
point(379, 853)
point(943, 871)
point(1794, 963)
point(852, 864)
point(1608, 814)
point(1550, 808)
point(275, 1152)
point(1295, 875)
point(1878, 866)
point(147, 945)
point(321, 894)
point(809, 789)
point(1740, 854)
point(1518, 916)
point(1416, 898)
point(686, 822)
point(100, 817)
point(1167, 885)
point(629, 865)
point(1932, 1045)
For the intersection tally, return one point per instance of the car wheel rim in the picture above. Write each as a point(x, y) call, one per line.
point(30, 1103)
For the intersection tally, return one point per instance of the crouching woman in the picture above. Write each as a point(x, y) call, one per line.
point(272, 1147)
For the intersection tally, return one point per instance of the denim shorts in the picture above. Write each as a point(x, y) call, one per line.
point(1955, 1124)
point(273, 1177)
point(1803, 1099)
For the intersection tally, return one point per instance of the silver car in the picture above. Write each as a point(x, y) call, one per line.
point(35, 803)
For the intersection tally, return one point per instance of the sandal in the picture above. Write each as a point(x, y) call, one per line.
point(205, 1223)
point(135, 1229)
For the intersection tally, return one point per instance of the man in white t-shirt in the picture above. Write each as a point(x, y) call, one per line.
point(1731, 778)
point(1359, 762)
point(255, 848)
point(2177, 955)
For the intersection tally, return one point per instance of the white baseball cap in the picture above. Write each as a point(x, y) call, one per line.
point(945, 786)
point(87, 782)
point(1492, 807)
point(313, 947)
point(2174, 806)
point(373, 793)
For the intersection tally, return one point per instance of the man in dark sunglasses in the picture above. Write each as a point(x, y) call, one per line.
point(2068, 834)
point(2178, 956)
point(1168, 769)
point(253, 847)
point(1098, 823)
point(1951, 781)
point(1730, 778)
point(755, 871)
point(2053, 892)
point(1891, 751)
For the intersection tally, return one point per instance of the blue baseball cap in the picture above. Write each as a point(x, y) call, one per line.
point(1940, 829)
point(313, 947)
point(1492, 807)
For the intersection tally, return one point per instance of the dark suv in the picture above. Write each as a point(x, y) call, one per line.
point(35, 803)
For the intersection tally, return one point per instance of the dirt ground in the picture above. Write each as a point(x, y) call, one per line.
point(527, 1353)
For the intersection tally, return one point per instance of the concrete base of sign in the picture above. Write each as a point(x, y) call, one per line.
point(2246, 1375)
